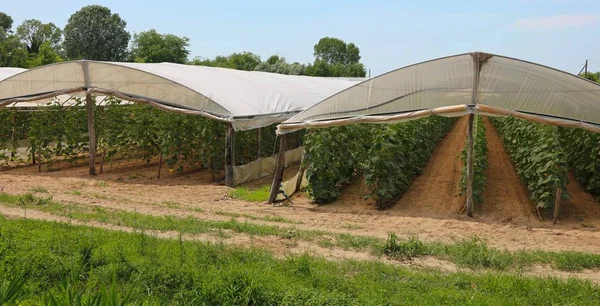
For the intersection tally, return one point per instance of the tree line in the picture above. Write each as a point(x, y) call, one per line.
point(96, 33)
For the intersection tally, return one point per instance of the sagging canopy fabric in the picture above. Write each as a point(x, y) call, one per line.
point(247, 99)
point(456, 85)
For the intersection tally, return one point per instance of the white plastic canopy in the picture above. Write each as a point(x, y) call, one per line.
point(246, 99)
point(6, 72)
point(456, 85)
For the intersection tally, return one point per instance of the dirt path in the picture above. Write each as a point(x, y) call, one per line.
point(435, 193)
point(505, 197)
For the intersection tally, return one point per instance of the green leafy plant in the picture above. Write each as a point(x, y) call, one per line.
point(538, 157)
point(333, 159)
point(398, 153)
point(583, 152)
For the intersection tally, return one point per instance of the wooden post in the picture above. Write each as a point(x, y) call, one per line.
point(278, 175)
point(258, 144)
point(300, 173)
point(91, 132)
point(557, 205)
point(160, 162)
point(229, 155)
point(470, 166)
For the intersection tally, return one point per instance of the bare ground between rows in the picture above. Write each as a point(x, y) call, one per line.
point(282, 247)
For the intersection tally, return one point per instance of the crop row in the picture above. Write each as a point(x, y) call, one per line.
point(538, 157)
point(479, 161)
point(389, 157)
point(57, 132)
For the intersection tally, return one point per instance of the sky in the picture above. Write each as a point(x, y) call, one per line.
point(390, 34)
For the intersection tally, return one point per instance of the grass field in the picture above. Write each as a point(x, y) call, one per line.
point(59, 260)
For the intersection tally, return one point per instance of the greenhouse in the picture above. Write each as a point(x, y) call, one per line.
point(242, 100)
point(454, 86)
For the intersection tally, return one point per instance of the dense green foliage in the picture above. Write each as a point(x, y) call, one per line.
point(33, 34)
point(538, 156)
point(95, 33)
point(398, 153)
point(55, 260)
point(57, 132)
point(153, 47)
point(583, 151)
point(479, 161)
point(388, 156)
point(333, 158)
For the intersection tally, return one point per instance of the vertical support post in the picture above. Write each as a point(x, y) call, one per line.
point(278, 175)
point(300, 173)
point(586, 70)
point(470, 166)
point(229, 155)
point(557, 205)
point(258, 143)
point(89, 99)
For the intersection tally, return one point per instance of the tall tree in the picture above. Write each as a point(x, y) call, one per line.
point(12, 53)
point(153, 47)
point(95, 33)
point(5, 25)
point(33, 33)
point(335, 51)
point(336, 58)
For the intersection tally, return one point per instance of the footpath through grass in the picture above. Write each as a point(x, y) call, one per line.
point(58, 264)
point(473, 253)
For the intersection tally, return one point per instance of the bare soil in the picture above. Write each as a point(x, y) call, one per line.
point(505, 197)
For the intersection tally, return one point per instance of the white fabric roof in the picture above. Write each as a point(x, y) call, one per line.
point(246, 99)
point(504, 86)
point(6, 72)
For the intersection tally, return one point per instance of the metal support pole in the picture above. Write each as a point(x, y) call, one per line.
point(89, 99)
point(278, 175)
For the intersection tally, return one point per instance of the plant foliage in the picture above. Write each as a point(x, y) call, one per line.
point(538, 157)
point(583, 151)
point(398, 153)
point(333, 157)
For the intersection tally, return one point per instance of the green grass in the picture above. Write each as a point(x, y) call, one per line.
point(245, 194)
point(65, 262)
point(472, 253)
